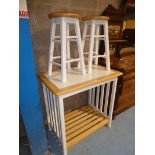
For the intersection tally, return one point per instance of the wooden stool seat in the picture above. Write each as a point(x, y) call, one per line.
point(64, 14)
point(96, 18)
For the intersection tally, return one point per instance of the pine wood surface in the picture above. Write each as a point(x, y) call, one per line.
point(82, 122)
point(64, 14)
point(59, 91)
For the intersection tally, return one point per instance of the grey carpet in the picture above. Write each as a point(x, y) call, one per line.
point(117, 140)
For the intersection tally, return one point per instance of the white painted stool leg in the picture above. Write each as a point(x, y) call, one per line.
point(63, 48)
point(79, 45)
point(91, 46)
point(62, 122)
point(97, 44)
point(106, 41)
point(68, 48)
point(51, 47)
point(83, 38)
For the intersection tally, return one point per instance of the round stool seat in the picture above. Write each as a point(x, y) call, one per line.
point(64, 14)
point(96, 18)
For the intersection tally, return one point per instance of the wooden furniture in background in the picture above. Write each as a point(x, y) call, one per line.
point(124, 62)
point(125, 94)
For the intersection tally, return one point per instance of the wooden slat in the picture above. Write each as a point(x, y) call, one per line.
point(87, 121)
point(87, 133)
point(83, 125)
point(79, 117)
point(89, 116)
point(85, 128)
point(76, 112)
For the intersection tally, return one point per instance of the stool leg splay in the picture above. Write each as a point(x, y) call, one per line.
point(65, 40)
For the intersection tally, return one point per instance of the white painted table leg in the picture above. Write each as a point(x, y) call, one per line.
point(62, 121)
point(49, 121)
point(112, 101)
point(106, 98)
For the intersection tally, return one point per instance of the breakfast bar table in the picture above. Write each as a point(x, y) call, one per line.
point(73, 126)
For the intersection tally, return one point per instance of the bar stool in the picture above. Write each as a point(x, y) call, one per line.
point(95, 22)
point(64, 19)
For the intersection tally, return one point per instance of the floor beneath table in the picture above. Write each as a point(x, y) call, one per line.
point(118, 140)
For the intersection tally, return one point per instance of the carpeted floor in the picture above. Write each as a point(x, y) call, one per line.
point(117, 140)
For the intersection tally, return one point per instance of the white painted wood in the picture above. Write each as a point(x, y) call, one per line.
point(58, 112)
point(101, 98)
point(90, 96)
point(97, 44)
point(58, 105)
point(97, 96)
point(99, 56)
point(73, 60)
point(64, 39)
point(51, 48)
point(83, 38)
point(56, 115)
point(55, 63)
point(94, 107)
point(74, 76)
point(63, 48)
point(107, 45)
point(97, 37)
point(68, 48)
point(46, 106)
point(84, 89)
point(93, 96)
point(80, 49)
point(91, 47)
point(56, 57)
point(112, 101)
point(84, 34)
point(61, 105)
point(52, 110)
point(106, 98)
point(72, 37)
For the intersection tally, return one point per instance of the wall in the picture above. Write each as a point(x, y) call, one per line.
point(40, 24)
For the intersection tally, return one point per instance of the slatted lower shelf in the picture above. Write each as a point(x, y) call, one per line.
point(82, 122)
